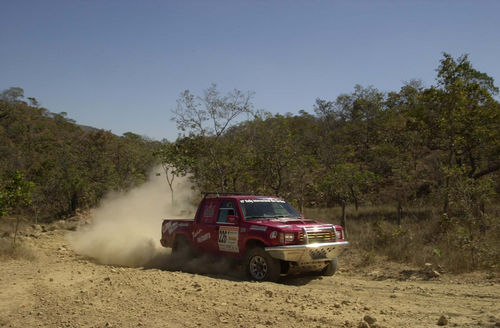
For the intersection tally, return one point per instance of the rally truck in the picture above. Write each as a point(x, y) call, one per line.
point(265, 234)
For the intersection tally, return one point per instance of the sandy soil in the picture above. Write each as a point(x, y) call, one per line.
point(60, 288)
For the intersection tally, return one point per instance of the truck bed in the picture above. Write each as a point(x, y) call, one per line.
point(183, 226)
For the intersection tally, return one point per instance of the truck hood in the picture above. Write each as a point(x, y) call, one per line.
point(290, 223)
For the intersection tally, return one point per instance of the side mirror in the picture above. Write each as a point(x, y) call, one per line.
point(232, 219)
point(302, 216)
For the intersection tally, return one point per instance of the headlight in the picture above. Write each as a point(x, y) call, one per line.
point(336, 233)
point(286, 237)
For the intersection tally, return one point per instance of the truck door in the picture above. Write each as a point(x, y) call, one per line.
point(217, 230)
point(204, 230)
point(227, 227)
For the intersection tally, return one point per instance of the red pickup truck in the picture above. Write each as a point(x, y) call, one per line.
point(266, 234)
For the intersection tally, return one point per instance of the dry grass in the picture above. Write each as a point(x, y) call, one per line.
point(19, 251)
point(422, 238)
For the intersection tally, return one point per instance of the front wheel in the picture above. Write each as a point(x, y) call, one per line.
point(331, 268)
point(260, 266)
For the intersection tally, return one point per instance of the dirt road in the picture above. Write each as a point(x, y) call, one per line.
point(62, 289)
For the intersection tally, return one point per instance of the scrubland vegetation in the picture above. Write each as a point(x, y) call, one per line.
point(423, 237)
point(50, 166)
point(413, 174)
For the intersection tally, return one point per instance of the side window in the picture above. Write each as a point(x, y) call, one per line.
point(209, 211)
point(226, 208)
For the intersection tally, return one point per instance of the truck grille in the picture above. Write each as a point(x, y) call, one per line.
point(319, 236)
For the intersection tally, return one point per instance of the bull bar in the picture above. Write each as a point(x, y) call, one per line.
point(306, 253)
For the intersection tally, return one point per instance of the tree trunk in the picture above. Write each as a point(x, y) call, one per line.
point(171, 192)
point(446, 197)
point(400, 212)
point(354, 197)
point(446, 205)
point(15, 233)
point(35, 212)
point(343, 219)
point(74, 202)
point(170, 181)
point(234, 183)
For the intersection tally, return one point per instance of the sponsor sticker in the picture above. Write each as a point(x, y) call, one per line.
point(228, 239)
point(273, 234)
point(209, 210)
point(170, 227)
point(258, 228)
point(203, 238)
point(262, 200)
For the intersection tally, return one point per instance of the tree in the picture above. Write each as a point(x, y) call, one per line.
point(175, 162)
point(212, 114)
point(460, 119)
point(400, 154)
point(274, 149)
point(209, 117)
point(15, 195)
point(72, 166)
point(345, 183)
point(12, 94)
point(466, 223)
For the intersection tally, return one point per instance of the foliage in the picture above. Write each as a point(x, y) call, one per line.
point(174, 162)
point(465, 227)
point(211, 114)
point(437, 145)
point(209, 117)
point(71, 166)
point(364, 147)
point(15, 193)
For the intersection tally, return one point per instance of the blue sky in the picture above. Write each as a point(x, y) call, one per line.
point(121, 65)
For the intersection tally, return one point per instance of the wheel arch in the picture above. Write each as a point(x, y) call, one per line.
point(253, 242)
point(179, 236)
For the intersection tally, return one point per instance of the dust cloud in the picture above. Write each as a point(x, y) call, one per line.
point(126, 228)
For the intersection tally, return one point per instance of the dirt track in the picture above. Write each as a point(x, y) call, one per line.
point(63, 289)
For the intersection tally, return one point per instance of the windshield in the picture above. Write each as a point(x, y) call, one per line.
point(267, 208)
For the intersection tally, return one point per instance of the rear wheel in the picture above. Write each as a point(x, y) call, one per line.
point(331, 268)
point(260, 266)
point(182, 251)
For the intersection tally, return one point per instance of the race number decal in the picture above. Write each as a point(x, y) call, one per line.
point(228, 239)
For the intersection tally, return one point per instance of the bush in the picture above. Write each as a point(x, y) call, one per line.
point(21, 250)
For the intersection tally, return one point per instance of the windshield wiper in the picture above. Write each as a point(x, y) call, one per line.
point(258, 217)
point(287, 216)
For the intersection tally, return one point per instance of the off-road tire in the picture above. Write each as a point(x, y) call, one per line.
point(260, 266)
point(331, 268)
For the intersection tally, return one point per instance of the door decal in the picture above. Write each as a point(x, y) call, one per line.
point(203, 238)
point(228, 239)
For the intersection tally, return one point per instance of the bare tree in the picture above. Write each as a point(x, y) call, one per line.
point(210, 116)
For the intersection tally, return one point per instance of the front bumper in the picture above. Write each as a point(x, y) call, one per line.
point(307, 253)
